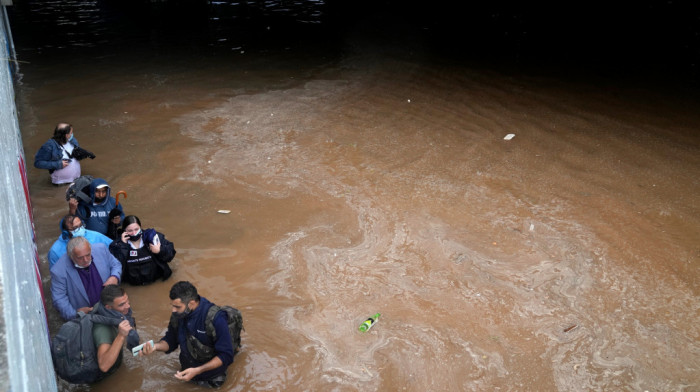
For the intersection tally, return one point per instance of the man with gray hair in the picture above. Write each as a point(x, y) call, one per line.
point(78, 276)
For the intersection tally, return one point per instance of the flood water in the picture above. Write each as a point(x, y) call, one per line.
point(368, 172)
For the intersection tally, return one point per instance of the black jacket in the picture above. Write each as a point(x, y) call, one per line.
point(141, 273)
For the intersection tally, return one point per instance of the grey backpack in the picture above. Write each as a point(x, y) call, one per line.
point(73, 349)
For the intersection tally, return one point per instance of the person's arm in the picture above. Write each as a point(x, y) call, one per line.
point(190, 373)
point(106, 263)
point(53, 257)
point(75, 207)
point(166, 251)
point(59, 295)
point(223, 345)
point(44, 158)
point(116, 248)
point(167, 344)
point(107, 354)
point(115, 267)
point(160, 346)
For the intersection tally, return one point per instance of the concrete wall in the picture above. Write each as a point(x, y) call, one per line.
point(25, 357)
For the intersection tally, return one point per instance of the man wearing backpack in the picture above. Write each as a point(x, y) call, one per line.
point(203, 358)
point(109, 340)
point(89, 348)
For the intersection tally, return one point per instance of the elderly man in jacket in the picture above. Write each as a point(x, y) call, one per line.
point(78, 276)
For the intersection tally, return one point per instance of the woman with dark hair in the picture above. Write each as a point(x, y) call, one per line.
point(55, 155)
point(144, 254)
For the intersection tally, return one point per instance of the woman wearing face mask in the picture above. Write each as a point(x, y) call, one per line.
point(144, 254)
point(55, 155)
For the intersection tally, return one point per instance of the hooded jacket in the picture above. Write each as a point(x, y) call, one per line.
point(50, 155)
point(58, 248)
point(96, 216)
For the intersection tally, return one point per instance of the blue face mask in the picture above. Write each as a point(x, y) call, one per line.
point(79, 232)
point(71, 137)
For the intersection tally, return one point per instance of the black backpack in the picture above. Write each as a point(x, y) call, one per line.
point(204, 353)
point(80, 189)
point(73, 349)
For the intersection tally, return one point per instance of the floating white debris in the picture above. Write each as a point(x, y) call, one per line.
point(532, 227)
point(409, 101)
point(509, 136)
point(224, 211)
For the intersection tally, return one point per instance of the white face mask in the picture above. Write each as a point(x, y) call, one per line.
point(79, 267)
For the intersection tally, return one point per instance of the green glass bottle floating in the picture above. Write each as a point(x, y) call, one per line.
point(369, 323)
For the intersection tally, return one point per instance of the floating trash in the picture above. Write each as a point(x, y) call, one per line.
point(369, 323)
point(224, 211)
point(509, 136)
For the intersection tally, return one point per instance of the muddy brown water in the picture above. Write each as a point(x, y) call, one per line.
point(564, 259)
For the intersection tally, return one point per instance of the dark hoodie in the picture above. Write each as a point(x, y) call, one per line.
point(96, 216)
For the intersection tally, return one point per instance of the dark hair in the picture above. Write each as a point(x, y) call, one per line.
point(68, 218)
point(59, 134)
point(129, 219)
point(185, 291)
point(110, 293)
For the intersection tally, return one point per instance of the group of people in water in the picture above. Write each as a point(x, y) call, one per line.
point(100, 248)
point(143, 253)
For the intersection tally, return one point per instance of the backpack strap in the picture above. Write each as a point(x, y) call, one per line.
point(211, 313)
point(198, 350)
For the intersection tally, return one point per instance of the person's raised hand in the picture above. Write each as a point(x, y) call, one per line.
point(124, 328)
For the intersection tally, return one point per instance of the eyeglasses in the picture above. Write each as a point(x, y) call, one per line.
point(82, 224)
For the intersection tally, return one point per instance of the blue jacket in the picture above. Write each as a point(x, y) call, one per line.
point(50, 155)
point(58, 248)
point(67, 289)
point(96, 216)
point(195, 323)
